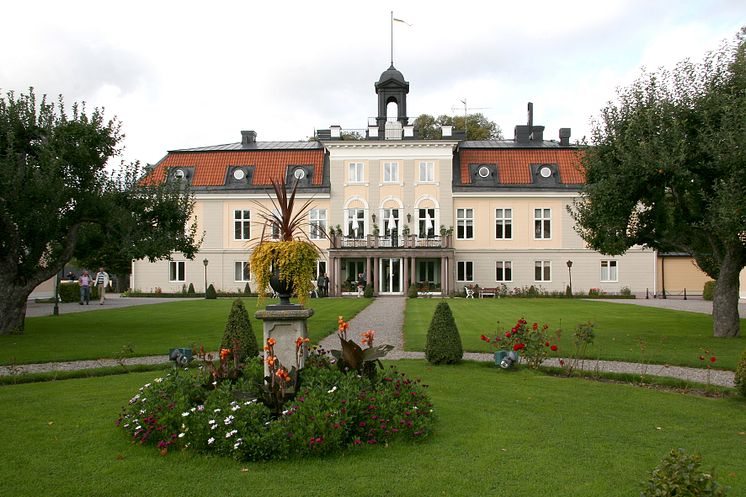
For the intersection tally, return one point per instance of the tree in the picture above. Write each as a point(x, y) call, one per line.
point(57, 200)
point(667, 170)
point(478, 126)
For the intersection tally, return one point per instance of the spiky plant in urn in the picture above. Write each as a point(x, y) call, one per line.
point(284, 257)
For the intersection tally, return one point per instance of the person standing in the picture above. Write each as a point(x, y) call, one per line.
point(102, 281)
point(320, 285)
point(326, 284)
point(85, 288)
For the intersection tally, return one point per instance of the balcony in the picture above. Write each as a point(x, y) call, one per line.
point(383, 242)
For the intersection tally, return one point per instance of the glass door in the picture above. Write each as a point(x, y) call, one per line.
point(390, 276)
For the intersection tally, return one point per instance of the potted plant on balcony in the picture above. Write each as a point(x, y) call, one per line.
point(287, 264)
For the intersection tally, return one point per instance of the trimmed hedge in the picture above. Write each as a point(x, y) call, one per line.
point(443, 339)
point(238, 333)
point(708, 293)
point(70, 292)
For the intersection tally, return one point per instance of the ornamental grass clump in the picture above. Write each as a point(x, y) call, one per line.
point(443, 344)
point(293, 256)
point(238, 334)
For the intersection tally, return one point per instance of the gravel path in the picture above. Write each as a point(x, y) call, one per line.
point(385, 315)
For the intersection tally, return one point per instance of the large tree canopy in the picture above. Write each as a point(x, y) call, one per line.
point(667, 169)
point(56, 198)
point(477, 127)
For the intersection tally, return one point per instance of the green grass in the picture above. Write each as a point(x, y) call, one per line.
point(498, 433)
point(668, 337)
point(148, 329)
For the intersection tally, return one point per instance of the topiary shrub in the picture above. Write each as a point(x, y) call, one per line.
point(443, 339)
point(368, 293)
point(247, 289)
point(741, 374)
point(211, 293)
point(238, 335)
point(412, 292)
point(190, 290)
point(678, 475)
point(708, 292)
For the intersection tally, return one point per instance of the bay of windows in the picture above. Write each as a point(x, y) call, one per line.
point(241, 225)
point(504, 224)
point(465, 224)
point(317, 221)
point(504, 271)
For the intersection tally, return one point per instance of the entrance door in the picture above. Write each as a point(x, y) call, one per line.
point(391, 276)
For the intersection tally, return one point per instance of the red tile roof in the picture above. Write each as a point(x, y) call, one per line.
point(513, 164)
point(210, 168)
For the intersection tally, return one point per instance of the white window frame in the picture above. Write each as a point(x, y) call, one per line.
point(421, 221)
point(240, 269)
point(606, 267)
point(355, 213)
point(546, 266)
point(176, 271)
point(542, 221)
point(504, 218)
point(317, 224)
point(386, 215)
point(426, 172)
point(467, 221)
point(506, 266)
point(356, 172)
point(242, 222)
point(464, 271)
point(390, 172)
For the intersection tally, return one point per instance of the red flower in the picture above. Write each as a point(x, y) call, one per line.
point(713, 359)
point(553, 347)
point(507, 334)
point(562, 362)
point(536, 326)
point(519, 346)
point(484, 338)
point(546, 344)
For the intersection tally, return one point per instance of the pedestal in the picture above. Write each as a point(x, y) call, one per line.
point(285, 326)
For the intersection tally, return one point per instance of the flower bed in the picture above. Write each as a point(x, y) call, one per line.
point(331, 410)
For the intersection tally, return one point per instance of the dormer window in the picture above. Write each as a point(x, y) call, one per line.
point(545, 171)
point(299, 174)
point(483, 171)
point(179, 174)
point(239, 174)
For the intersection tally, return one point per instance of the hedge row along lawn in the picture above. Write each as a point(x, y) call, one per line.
point(623, 332)
point(149, 329)
point(501, 433)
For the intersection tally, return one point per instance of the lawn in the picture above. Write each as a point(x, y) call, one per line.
point(148, 329)
point(498, 433)
point(623, 332)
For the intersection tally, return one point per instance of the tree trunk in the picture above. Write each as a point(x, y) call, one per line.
point(12, 309)
point(725, 320)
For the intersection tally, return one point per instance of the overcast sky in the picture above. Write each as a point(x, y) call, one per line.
point(188, 74)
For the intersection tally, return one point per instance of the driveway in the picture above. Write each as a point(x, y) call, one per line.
point(696, 304)
point(113, 301)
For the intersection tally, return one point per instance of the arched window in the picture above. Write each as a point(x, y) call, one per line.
point(392, 111)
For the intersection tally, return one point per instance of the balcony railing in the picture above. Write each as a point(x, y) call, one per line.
point(404, 241)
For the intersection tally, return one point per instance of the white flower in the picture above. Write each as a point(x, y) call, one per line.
point(334, 389)
point(138, 427)
point(200, 408)
point(181, 435)
point(249, 402)
point(143, 411)
point(216, 410)
point(285, 411)
point(143, 399)
point(231, 433)
point(135, 399)
point(185, 414)
point(211, 422)
point(147, 385)
point(210, 440)
point(127, 425)
point(192, 409)
point(228, 420)
point(237, 444)
point(235, 408)
point(158, 380)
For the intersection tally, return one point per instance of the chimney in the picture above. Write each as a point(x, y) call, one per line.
point(564, 136)
point(530, 115)
point(248, 137)
point(522, 133)
point(446, 131)
point(537, 133)
point(336, 131)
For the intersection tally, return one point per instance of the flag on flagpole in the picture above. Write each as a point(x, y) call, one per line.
point(404, 22)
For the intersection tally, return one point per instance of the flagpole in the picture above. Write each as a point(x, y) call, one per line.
point(392, 38)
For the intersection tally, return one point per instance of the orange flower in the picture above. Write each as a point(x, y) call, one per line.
point(270, 360)
point(224, 353)
point(271, 342)
point(300, 341)
point(283, 375)
point(368, 337)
